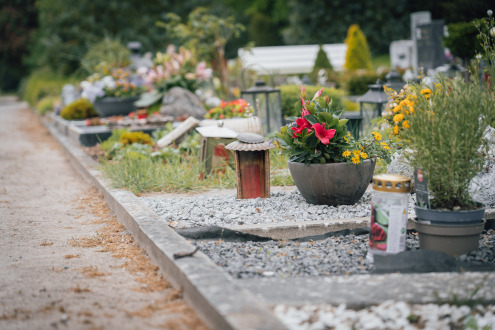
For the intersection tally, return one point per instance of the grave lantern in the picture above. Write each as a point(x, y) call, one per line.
point(394, 81)
point(270, 105)
point(252, 165)
point(213, 142)
point(372, 104)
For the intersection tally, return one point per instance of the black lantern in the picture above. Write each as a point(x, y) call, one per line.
point(267, 105)
point(372, 104)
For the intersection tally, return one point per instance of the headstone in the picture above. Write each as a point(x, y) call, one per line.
point(180, 103)
point(401, 54)
point(69, 94)
point(431, 53)
point(418, 18)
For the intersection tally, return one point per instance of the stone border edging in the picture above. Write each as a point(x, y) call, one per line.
point(220, 302)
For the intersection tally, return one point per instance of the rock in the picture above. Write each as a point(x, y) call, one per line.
point(481, 187)
point(179, 102)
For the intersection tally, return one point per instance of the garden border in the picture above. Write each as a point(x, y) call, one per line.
point(219, 301)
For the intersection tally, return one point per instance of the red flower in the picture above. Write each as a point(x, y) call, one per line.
point(301, 123)
point(323, 135)
point(378, 233)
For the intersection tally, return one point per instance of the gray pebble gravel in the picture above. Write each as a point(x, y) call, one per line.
point(282, 206)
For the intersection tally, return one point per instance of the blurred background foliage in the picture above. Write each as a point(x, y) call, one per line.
point(56, 34)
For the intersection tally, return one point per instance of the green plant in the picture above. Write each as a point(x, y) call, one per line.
point(79, 109)
point(135, 137)
point(445, 129)
point(358, 54)
point(461, 40)
point(357, 82)
point(321, 63)
point(104, 55)
point(46, 104)
point(289, 95)
point(238, 108)
point(43, 82)
point(320, 136)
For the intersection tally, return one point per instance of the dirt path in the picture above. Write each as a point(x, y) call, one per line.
point(65, 262)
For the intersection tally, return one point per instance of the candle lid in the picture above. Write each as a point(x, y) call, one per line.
point(393, 183)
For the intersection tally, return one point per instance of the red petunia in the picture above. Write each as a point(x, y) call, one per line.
point(323, 135)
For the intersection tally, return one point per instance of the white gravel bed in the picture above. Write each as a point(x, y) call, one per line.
point(201, 210)
point(387, 315)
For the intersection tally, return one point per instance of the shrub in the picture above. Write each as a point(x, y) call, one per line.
point(46, 104)
point(43, 83)
point(358, 54)
point(135, 137)
point(79, 109)
point(357, 82)
point(321, 62)
point(290, 95)
point(105, 55)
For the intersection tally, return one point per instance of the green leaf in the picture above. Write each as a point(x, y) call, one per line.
point(312, 119)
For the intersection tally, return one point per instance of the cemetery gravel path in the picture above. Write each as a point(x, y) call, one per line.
point(65, 262)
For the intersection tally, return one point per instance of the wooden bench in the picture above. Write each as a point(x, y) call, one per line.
point(290, 59)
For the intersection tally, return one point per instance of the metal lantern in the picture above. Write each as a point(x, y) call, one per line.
point(213, 153)
point(252, 165)
point(394, 80)
point(372, 104)
point(267, 101)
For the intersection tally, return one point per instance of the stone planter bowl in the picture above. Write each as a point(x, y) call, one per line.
point(114, 106)
point(332, 184)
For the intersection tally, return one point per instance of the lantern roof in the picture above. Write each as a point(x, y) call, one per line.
point(249, 142)
point(260, 87)
point(375, 94)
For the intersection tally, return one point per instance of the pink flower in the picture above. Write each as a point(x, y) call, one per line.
point(303, 91)
point(303, 103)
point(323, 135)
point(305, 113)
point(318, 93)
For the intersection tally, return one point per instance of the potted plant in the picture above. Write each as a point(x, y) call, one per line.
point(328, 166)
point(444, 126)
point(113, 94)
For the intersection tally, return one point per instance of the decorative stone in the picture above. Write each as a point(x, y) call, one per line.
point(399, 165)
point(179, 102)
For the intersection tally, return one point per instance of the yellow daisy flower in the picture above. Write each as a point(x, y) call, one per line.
point(385, 145)
point(364, 155)
point(396, 129)
point(405, 124)
point(355, 160)
point(377, 136)
point(346, 153)
point(398, 117)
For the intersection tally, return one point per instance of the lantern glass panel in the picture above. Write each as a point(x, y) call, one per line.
point(270, 108)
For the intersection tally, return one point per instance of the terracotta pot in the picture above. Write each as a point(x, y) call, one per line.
point(453, 239)
point(114, 106)
point(334, 183)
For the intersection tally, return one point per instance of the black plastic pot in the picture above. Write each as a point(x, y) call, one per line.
point(332, 184)
point(114, 106)
point(435, 216)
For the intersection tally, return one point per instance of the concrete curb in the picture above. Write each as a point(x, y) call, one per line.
point(219, 301)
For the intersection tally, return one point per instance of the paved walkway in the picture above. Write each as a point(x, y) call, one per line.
point(64, 260)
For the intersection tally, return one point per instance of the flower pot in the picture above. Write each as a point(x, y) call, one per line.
point(453, 239)
point(114, 106)
point(333, 183)
point(435, 216)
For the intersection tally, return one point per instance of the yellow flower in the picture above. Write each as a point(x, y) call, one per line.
point(346, 139)
point(377, 136)
point(355, 160)
point(426, 92)
point(397, 108)
point(405, 124)
point(385, 145)
point(398, 117)
point(356, 153)
point(364, 155)
point(396, 129)
point(346, 153)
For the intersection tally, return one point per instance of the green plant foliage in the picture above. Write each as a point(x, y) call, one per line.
point(358, 54)
point(46, 104)
point(290, 95)
point(445, 134)
point(105, 55)
point(79, 109)
point(357, 82)
point(43, 83)
point(127, 138)
point(321, 63)
point(462, 41)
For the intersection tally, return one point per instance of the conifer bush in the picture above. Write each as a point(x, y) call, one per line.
point(321, 62)
point(358, 54)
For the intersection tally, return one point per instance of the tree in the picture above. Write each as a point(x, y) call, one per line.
point(462, 40)
point(18, 20)
point(67, 28)
point(207, 35)
point(321, 63)
point(358, 54)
